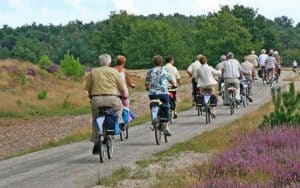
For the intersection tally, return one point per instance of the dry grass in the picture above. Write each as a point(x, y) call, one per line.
point(291, 79)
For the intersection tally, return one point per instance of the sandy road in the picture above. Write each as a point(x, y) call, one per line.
point(74, 165)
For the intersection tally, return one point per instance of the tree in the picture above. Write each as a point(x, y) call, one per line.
point(72, 67)
point(152, 37)
point(45, 62)
point(222, 33)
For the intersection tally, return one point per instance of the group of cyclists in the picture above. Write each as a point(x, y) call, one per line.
point(108, 86)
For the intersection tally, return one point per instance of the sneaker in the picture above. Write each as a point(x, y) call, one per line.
point(213, 115)
point(250, 99)
point(175, 116)
point(168, 133)
point(151, 127)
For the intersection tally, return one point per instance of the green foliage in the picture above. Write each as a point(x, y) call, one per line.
point(238, 29)
point(153, 37)
point(291, 54)
point(45, 62)
point(71, 67)
point(22, 78)
point(222, 33)
point(287, 109)
point(42, 95)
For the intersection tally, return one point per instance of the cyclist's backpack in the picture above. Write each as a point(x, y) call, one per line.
point(111, 124)
point(164, 113)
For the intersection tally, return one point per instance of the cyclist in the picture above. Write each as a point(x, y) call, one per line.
point(103, 85)
point(218, 67)
point(253, 58)
point(156, 82)
point(232, 71)
point(295, 64)
point(249, 74)
point(174, 73)
point(262, 60)
point(192, 72)
point(279, 62)
point(270, 65)
point(205, 80)
point(121, 60)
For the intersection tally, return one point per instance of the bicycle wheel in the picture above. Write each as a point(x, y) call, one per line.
point(101, 149)
point(247, 96)
point(157, 132)
point(110, 146)
point(164, 132)
point(199, 110)
point(232, 107)
point(207, 114)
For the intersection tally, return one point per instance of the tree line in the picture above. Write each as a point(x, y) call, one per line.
point(238, 29)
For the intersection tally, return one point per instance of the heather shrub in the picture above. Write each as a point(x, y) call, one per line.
point(71, 67)
point(287, 109)
point(22, 78)
point(53, 68)
point(42, 95)
point(31, 72)
point(262, 158)
point(44, 62)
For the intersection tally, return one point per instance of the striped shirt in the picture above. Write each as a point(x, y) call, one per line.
point(231, 68)
point(271, 62)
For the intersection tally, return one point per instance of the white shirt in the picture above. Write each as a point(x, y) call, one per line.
point(231, 68)
point(205, 76)
point(193, 68)
point(262, 59)
point(173, 72)
point(295, 64)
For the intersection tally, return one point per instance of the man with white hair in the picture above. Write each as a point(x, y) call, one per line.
point(103, 84)
point(232, 71)
point(192, 72)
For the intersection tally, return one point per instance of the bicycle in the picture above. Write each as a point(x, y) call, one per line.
point(159, 119)
point(245, 92)
point(107, 127)
point(124, 132)
point(206, 104)
point(231, 97)
point(172, 102)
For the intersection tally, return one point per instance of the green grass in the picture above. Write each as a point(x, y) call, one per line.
point(51, 143)
point(34, 112)
point(111, 181)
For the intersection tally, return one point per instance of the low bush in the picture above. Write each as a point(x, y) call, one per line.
point(42, 95)
point(71, 67)
point(287, 109)
point(44, 62)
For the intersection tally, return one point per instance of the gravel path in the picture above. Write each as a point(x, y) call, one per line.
point(73, 165)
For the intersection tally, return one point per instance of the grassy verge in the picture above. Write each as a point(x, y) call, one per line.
point(85, 133)
point(214, 141)
point(296, 78)
point(34, 112)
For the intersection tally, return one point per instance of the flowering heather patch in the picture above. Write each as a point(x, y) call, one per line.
point(11, 69)
point(53, 68)
point(275, 153)
point(30, 72)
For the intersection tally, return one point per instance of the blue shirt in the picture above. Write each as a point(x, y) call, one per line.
point(157, 79)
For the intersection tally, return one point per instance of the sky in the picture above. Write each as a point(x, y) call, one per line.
point(20, 12)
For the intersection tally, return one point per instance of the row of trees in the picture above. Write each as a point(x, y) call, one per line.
point(238, 29)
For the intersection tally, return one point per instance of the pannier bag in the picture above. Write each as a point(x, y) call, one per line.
point(260, 73)
point(109, 122)
point(127, 115)
point(164, 113)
